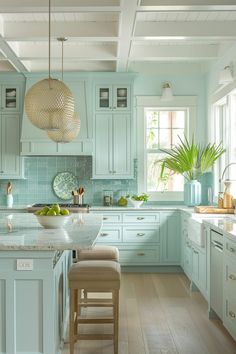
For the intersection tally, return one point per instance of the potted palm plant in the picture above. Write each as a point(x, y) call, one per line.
point(190, 160)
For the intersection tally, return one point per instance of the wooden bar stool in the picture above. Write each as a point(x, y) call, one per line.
point(94, 276)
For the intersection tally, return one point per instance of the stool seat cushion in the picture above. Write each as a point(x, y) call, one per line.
point(99, 253)
point(94, 271)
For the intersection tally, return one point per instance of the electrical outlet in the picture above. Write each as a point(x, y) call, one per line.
point(24, 264)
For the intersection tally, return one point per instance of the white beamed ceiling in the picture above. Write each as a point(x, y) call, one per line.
point(114, 35)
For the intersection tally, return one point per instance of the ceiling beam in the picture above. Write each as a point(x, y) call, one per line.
point(11, 56)
point(59, 6)
point(173, 52)
point(37, 30)
point(126, 29)
point(184, 30)
point(187, 5)
point(33, 50)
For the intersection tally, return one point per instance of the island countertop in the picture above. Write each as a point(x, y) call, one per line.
point(21, 231)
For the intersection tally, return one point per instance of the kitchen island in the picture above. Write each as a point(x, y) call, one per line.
point(34, 263)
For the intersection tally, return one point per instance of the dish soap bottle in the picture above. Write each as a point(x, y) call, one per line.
point(9, 195)
point(228, 198)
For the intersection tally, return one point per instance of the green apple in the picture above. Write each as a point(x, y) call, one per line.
point(37, 212)
point(45, 209)
point(56, 208)
point(65, 212)
point(51, 212)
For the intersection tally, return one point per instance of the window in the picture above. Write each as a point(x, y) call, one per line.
point(224, 124)
point(163, 129)
point(159, 127)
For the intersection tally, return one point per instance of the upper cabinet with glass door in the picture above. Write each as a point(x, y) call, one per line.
point(10, 100)
point(113, 97)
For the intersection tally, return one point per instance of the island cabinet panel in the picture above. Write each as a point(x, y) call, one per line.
point(28, 310)
point(33, 303)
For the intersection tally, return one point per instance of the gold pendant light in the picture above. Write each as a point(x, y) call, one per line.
point(49, 104)
point(71, 129)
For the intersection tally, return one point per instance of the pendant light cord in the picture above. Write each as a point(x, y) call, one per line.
point(49, 41)
point(62, 60)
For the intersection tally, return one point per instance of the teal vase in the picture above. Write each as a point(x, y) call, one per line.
point(192, 193)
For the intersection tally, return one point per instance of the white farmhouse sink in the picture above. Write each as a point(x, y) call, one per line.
point(195, 231)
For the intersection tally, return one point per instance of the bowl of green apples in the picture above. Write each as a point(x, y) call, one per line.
point(52, 217)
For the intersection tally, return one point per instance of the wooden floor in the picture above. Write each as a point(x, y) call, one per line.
point(159, 315)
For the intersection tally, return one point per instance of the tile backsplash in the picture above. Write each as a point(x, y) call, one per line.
point(39, 175)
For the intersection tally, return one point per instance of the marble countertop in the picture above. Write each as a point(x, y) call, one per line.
point(225, 225)
point(21, 231)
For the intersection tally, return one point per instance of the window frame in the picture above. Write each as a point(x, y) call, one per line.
point(187, 103)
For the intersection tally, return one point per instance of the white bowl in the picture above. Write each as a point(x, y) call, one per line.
point(52, 222)
point(136, 203)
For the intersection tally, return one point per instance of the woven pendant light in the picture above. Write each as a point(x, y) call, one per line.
point(49, 101)
point(69, 129)
point(68, 133)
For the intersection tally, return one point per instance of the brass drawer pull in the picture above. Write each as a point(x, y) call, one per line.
point(141, 254)
point(140, 218)
point(232, 277)
point(103, 234)
point(104, 218)
point(232, 314)
point(140, 234)
point(231, 249)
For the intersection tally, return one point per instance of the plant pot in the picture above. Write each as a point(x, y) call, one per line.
point(192, 193)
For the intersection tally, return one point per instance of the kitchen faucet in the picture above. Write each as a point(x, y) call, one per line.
point(227, 166)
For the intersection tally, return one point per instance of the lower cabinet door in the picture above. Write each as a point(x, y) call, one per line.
point(188, 261)
point(229, 314)
point(140, 256)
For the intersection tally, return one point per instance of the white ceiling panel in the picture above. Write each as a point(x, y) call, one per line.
point(115, 35)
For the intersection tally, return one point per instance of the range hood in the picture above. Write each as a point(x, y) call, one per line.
point(35, 141)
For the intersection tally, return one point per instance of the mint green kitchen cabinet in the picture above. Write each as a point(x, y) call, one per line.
point(112, 152)
point(143, 237)
point(113, 97)
point(170, 237)
point(199, 269)
point(36, 302)
point(11, 90)
point(11, 164)
point(229, 286)
point(10, 98)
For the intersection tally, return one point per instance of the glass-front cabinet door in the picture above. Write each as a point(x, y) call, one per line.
point(121, 98)
point(104, 98)
point(10, 98)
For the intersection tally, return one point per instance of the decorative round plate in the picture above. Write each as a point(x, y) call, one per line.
point(63, 184)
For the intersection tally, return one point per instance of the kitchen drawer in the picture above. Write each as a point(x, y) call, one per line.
point(140, 256)
point(141, 217)
point(108, 235)
point(230, 248)
point(111, 217)
point(140, 235)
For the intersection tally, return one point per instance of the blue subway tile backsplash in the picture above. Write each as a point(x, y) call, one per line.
point(39, 175)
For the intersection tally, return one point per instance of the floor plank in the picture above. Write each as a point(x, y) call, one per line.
point(159, 315)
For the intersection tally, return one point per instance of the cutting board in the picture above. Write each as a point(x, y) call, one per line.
point(212, 210)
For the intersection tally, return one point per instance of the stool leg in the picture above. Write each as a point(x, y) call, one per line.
point(72, 314)
point(115, 300)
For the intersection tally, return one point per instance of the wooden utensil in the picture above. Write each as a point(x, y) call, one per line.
point(9, 188)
